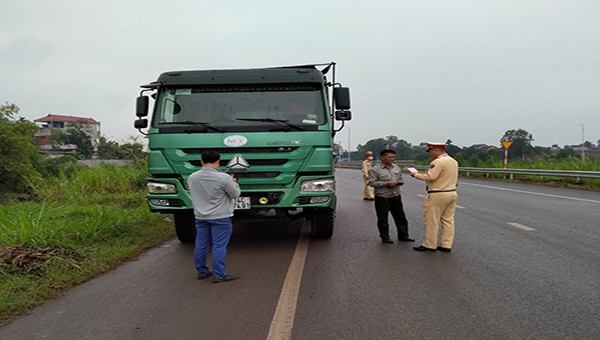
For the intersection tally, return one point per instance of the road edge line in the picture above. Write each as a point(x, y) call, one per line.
point(283, 319)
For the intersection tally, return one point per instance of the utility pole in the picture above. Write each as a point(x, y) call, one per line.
point(349, 142)
point(582, 142)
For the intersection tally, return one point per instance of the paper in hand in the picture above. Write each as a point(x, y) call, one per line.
point(412, 170)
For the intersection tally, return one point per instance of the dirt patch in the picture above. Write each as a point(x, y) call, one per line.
point(26, 260)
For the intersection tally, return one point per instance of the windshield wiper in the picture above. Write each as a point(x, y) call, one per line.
point(274, 121)
point(198, 124)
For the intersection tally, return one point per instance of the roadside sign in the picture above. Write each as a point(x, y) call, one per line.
point(506, 144)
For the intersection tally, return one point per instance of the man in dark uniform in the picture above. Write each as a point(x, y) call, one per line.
point(386, 179)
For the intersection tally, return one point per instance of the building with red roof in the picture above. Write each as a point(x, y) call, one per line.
point(52, 123)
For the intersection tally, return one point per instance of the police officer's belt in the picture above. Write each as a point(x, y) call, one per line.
point(433, 191)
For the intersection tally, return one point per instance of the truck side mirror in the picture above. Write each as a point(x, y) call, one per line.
point(343, 115)
point(140, 123)
point(341, 98)
point(141, 106)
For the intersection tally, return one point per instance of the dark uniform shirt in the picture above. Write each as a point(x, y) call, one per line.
point(380, 175)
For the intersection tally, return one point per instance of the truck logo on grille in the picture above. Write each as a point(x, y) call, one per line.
point(238, 164)
point(235, 141)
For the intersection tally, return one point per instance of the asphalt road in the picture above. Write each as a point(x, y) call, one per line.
point(525, 265)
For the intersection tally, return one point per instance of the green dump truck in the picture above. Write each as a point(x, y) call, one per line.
point(273, 127)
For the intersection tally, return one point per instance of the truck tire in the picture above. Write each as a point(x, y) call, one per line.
point(185, 227)
point(321, 223)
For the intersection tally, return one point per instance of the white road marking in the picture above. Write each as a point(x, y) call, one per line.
point(283, 319)
point(520, 226)
point(532, 193)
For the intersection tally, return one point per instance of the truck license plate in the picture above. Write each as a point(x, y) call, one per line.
point(242, 203)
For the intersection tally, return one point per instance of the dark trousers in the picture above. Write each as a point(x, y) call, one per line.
point(394, 206)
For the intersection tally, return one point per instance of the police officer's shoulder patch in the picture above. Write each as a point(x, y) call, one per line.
point(432, 166)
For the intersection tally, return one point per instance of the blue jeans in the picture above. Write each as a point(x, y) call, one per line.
point(219, 232)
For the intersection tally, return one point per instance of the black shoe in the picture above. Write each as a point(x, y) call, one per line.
point(406, 239)
point(368, 199)
point(202, 276)
point(445, 250)
point(225, 278)
point(387, 240)
point(421, 248)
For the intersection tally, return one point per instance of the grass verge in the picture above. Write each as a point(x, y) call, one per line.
point(71, 234)
point(45, 250)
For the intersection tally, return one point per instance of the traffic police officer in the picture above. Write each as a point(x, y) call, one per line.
point(368, 193)
point(440, 202)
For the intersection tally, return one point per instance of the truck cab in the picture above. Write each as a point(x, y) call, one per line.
point(273, 127)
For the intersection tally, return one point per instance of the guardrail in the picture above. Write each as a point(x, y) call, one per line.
point(534, 172)
point(487, 171)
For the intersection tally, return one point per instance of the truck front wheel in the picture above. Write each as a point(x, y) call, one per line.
point(321, 223)
point(185, 227)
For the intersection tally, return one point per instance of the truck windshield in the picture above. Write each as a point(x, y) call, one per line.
point(241, 105)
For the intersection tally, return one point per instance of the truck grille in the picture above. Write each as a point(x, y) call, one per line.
point(250, 161)
point(197, 151)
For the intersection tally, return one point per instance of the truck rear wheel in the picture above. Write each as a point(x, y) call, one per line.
point(321, 223)
point(185, 227)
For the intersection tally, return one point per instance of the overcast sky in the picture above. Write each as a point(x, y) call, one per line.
point(421, 70)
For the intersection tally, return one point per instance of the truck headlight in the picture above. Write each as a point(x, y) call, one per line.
point(318, 185)
point(161, 188)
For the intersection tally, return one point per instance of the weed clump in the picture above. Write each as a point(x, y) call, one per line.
point(20, 259)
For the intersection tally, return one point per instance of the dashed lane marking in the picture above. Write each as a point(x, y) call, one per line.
point(283, 319)
point(521, 226)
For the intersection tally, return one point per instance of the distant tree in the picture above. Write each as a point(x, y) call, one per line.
point(521, 142)
point(77, 136)
point(375, 145)
point(451, 149)
point(474, 161)
point(107, 149)
point(8, 110)
point(402, 147)
point(566, 152)
point(132, 150)
point(458, 157)
point(19, 156)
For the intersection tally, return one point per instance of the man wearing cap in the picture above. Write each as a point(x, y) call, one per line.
point(440, 202)
point(386, 178)
point(367, 164)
